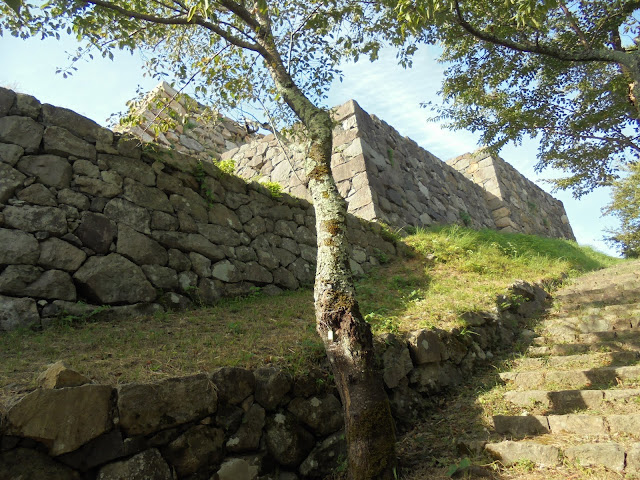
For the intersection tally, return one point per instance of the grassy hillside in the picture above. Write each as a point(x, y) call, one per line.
point(448, 271)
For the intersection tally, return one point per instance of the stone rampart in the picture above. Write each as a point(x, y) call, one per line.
point(384, 176)
point(516, 203)
point(89, 215)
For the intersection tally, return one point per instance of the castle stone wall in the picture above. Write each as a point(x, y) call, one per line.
point(383, 176)
point(92, 216)
point(516, 203)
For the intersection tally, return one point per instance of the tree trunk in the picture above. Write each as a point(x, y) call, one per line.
point(347, 337)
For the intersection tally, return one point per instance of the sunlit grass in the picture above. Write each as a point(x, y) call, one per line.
point(451, 271)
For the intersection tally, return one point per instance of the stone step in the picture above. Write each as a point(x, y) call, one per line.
point(586, 360)
point(573, 379)
point(631, 335)
point(611, 455)
point(577, 424)
point(565, 401)
point(627, 293)
point(590, 325)
point(561, 349)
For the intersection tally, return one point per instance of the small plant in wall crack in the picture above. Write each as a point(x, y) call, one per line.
point(274, 188)
point(201, 176)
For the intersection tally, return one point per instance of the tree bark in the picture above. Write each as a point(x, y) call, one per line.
point(347, 337)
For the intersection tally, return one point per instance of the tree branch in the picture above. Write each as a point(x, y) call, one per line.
point(574, 25)
point(182, 20)
point(592, 55)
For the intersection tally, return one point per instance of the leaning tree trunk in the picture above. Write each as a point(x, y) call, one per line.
point(347, 337)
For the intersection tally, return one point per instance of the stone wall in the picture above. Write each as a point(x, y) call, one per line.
point(89, 215)
point(383, 176)
point(236, 423)
point(516, 203)
point(177, 121)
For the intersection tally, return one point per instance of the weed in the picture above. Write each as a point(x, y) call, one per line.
point(390, 156)
point(380, 256)
point(458, 467)
point(227, 166)
point(466, 218)
point(274, 188)
point(201, 176)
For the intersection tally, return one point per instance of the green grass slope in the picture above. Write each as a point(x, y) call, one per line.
point(447, 271)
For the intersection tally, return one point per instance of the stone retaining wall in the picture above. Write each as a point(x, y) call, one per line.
point(89, 215)
point(236, 423)
point(384, 176)
point(516, 203)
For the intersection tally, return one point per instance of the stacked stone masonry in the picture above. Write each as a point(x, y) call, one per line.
point(384, 176)
point(234, 423)
point(89, 215)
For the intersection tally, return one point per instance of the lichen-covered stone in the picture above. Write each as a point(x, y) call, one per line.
point(60, 141)
point(24, 463)
point(18, 247)
point(122, 211)
point(143, 466)
point(286, 440)
point(322, 414)
point(18, 313)
point(31, 218)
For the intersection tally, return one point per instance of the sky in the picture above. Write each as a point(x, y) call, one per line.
point(102, 87)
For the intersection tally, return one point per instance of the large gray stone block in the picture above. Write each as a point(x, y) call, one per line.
point(10, 180)
point(58, 254)
point(139, 248)
point(18, 313)
point(36, 219)
point(18, 247)
point(52, 170)
point(22, 131)
point(146, 408)
point(60, 141)
point(113, 279)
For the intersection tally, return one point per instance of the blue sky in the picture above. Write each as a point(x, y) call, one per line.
point(101, 87)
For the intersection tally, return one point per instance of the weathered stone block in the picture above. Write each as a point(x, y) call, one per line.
point(196, 449)
point(62, 419)
point(129, 168)
point(18, 313)
point(323, 415)
point(143, 466)
point(139, 248)
point(286, 440)
point(22, 131)
point(95, 280)
point(37, 194)
point(60, 141)
point(147, 197)
point(10, 180)
point(96, 232)
point(247, 437)
point(83, 127)
point(189, 242)
point(18, 247)
point(58, 254)
point(146, 408)
point(609, 455)
point(36, 219)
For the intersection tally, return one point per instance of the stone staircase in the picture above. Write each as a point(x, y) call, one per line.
point(574, 398)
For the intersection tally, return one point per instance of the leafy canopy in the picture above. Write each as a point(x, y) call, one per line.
point(566, 72)
point(625, 204)
point(216, 44)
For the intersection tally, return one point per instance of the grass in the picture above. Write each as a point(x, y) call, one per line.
point(451, 271)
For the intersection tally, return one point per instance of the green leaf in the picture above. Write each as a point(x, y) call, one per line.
point(14, 5)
